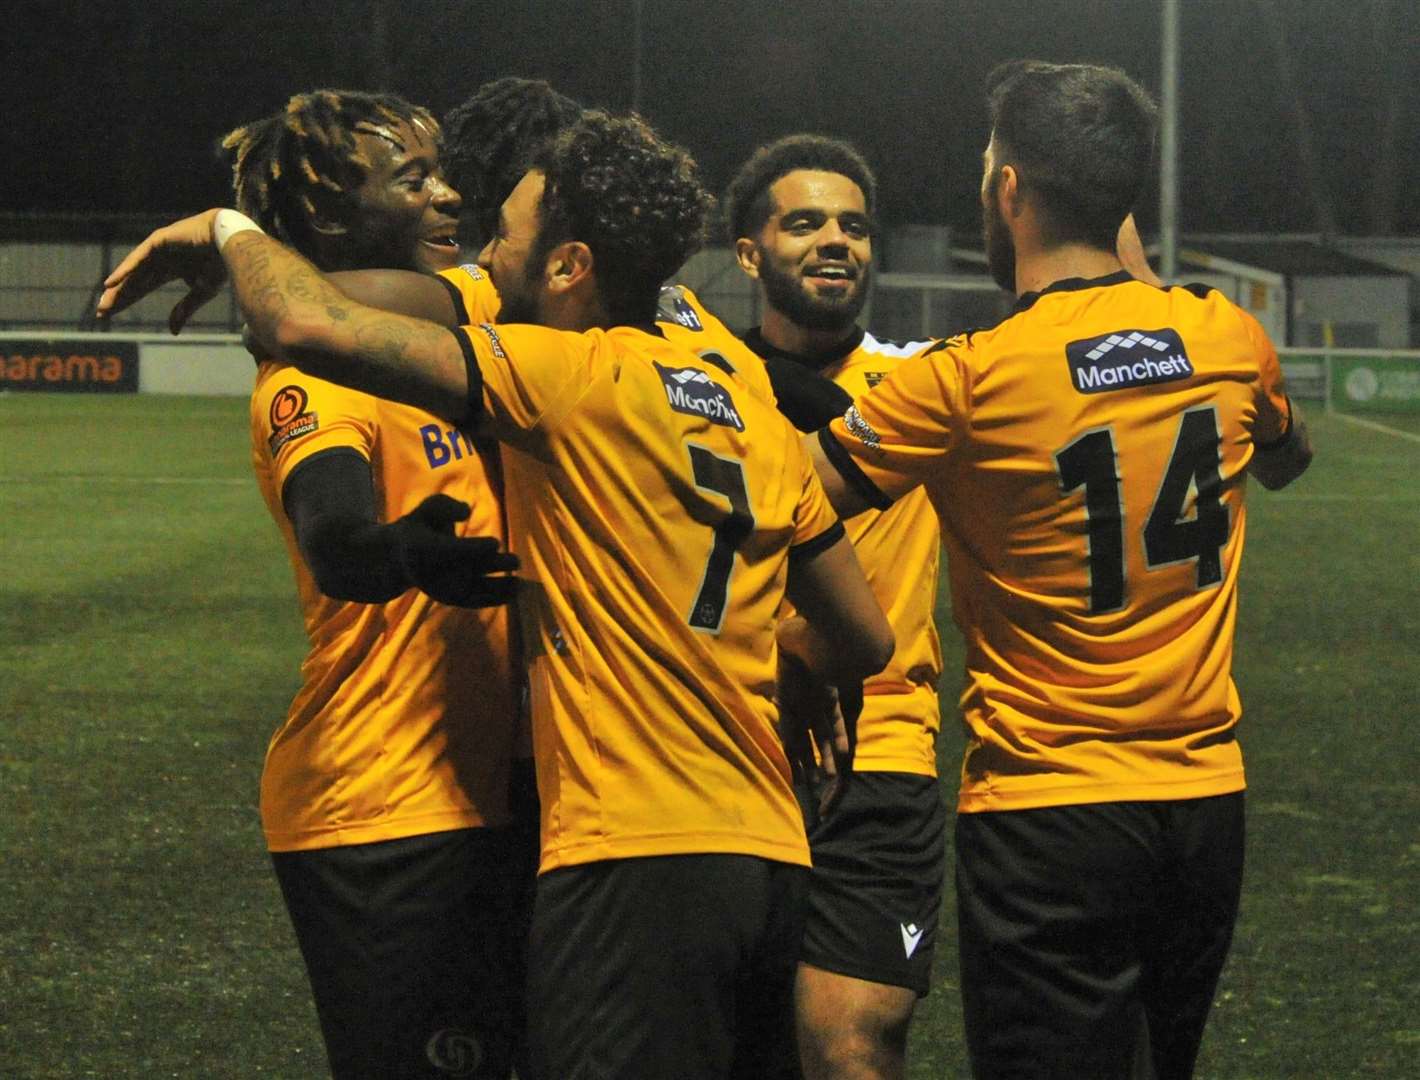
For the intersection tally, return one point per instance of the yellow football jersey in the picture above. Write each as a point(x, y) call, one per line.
point(1087, 461)
point(656, 503)
point(900, 551)
point(681, 317)
point(407, 712)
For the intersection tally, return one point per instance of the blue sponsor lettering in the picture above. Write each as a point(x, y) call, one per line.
point(443, 445)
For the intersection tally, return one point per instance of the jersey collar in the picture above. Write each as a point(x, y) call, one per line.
point(1073, 284)
point(765, 351)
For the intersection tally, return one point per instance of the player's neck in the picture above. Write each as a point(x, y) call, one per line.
point(782, 333)
point(1040, 268)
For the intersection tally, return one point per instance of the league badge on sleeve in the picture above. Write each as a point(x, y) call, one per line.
point(289, 417)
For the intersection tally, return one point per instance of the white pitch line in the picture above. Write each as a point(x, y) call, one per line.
point(227, 481)
point(1303, 496)
point(1385, 429)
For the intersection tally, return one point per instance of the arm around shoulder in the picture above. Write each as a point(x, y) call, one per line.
point(847, 633)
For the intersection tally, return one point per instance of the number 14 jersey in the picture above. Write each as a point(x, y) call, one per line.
point(1087, 460)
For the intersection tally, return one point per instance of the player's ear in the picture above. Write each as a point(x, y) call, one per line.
point(1008, 192)
point(747, 255)
point(569, 265)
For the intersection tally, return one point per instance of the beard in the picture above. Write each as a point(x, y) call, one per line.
point(788, 294)
point(517, 301)
point(1000, 247)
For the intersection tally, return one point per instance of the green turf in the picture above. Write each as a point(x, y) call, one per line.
point(151, 638)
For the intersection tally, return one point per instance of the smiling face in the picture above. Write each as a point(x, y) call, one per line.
point(814, 254)
point(404, 214)
point(508, 256)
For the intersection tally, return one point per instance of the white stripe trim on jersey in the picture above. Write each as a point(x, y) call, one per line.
point(871, 344)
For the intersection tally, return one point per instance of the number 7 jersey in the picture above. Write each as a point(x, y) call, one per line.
point(656, 503)
point(1087, 460)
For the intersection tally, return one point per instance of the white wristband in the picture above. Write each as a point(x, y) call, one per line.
point(228, 223)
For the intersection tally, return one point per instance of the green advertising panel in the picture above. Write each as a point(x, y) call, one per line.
point(1364, 380)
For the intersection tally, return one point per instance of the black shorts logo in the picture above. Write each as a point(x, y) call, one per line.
point(691, 391)
point(1127, 358)
point(454, 1052)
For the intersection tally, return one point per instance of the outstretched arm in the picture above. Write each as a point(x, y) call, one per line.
point(296, 311)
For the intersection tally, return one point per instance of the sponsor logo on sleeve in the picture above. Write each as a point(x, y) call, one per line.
point(692, 391)
point(674, 307)
point(1127, 358)
point(860, 429)
point(289, 418)
point(494, 340)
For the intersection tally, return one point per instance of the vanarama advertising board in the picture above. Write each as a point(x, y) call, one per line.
point(68, 365)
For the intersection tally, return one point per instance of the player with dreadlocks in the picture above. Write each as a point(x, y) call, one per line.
point(663, 511)
point(385, 795)
point(490, 139)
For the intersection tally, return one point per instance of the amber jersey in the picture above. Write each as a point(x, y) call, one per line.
point(406, 715)
point(681, 316)
point(900, 551)
point(656, 504)
point(1087, 461)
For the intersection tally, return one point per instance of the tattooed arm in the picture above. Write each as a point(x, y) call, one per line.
point(294, 310)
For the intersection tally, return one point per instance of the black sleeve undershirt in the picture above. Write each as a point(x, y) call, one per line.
point(330, 499)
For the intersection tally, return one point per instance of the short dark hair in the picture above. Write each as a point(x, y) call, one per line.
point(1081, 138)
point(633, 199)
point(304, 161)
point(747, 203)
point(490, 139)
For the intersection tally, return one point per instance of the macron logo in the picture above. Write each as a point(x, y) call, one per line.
point(690, 390)
point(910, 937)
point(1127, 358)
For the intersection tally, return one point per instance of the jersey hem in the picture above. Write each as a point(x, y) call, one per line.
point(401, 829)
point(634, 847)
point(972, 802)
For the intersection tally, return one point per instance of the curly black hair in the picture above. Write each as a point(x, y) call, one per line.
point(747, 205)
point(1082, 139)
point(636, 201)
point(490, 139)
point(304, 161)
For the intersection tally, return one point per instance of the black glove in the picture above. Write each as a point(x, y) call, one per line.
point(807, 398)
point(452, 569)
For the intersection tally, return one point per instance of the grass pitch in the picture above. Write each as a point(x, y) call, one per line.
point(151, 638)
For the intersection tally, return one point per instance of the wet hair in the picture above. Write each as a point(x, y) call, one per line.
point(489, 141)
point(747, 202)
point(635, 200)
point(304, 161)
point(1081, 139)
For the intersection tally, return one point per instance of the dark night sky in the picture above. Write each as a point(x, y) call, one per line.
point(115, 107)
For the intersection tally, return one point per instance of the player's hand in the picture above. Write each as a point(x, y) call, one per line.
point(1130, 249)
point(182, 251)
point(816, 722)
point(455, 570)
point(808, 399)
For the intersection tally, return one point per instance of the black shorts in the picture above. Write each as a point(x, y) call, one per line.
point(416, 949)
point(876, 889)
point(667, 966)
point(1086, 929)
